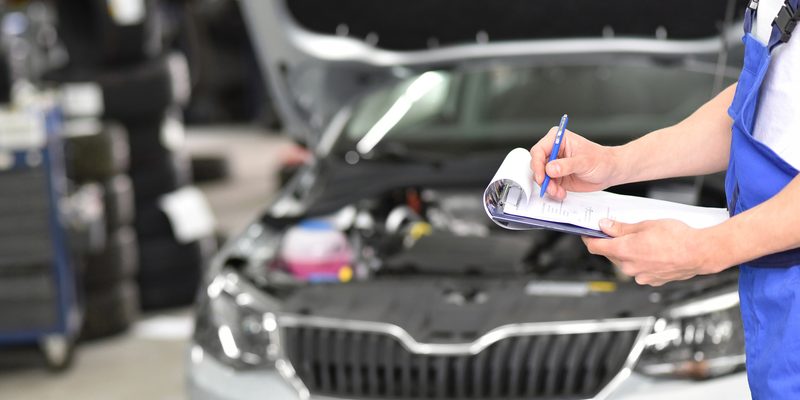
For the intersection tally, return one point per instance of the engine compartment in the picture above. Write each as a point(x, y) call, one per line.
point(429, 260)
point(444, 231)
point(426, 232)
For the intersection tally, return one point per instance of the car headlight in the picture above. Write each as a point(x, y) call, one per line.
point(235, 323)
point(701, 339)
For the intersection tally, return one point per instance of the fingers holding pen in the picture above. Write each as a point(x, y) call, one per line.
point(540, 153)
point(556, 189)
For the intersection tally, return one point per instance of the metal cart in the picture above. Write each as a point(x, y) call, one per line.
point(38, 303)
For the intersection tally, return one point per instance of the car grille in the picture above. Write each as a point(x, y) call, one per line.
point(370, 364)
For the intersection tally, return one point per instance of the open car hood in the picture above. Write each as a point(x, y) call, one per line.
point(319, 55)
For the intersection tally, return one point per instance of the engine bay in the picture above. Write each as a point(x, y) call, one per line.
point(413, 256)
point(444, 231)
point(425, 232)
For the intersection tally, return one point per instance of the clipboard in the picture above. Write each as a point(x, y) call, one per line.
point(495, 199)
point(512, 201)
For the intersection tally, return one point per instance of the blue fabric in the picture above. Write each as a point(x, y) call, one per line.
point(769, 288)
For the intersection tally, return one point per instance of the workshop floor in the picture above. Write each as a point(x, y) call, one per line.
point(148, 361)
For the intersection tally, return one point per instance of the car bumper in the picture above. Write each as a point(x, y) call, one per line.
point(210, 380)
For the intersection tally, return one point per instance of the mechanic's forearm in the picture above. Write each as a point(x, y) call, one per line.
point(769, 228)
point(698, 145)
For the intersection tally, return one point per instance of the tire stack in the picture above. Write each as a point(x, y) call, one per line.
point(144, 88)
point(172, 256)
point(97, 161)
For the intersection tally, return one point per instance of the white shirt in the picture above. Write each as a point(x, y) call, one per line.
point(778, 116)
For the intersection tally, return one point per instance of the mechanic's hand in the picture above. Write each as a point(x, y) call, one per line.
point(582, 165)
point(654, 252)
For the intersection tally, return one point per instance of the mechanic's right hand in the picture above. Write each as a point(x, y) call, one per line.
point(582, 165)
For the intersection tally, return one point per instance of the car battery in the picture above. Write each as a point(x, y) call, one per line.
point(38, 304)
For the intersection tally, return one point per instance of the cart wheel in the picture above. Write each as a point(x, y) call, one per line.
point(58, 351)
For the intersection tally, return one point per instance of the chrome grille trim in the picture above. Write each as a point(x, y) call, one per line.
point(491, 337)
point(643, 325)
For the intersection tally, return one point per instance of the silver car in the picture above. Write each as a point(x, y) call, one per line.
point(375, 274)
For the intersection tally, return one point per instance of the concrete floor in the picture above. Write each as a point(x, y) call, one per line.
point(144, 363)
point(148, 361)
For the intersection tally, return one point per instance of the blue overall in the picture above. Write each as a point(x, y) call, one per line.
point(769, 287)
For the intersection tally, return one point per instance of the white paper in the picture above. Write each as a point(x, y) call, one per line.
point(587, 209)
point(188, 213)
point(517, 168)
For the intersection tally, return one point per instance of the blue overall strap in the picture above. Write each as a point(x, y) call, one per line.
point(784, 23)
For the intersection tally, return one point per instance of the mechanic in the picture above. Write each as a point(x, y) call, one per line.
point(753, 129)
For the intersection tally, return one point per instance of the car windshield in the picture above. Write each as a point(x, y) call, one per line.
point(502, 105)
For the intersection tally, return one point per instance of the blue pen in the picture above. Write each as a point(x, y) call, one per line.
point(562, 126)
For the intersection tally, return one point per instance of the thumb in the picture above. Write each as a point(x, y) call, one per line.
point(616, 228)
point(567, 166)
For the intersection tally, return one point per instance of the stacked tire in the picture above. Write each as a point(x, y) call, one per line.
point(144, 86)
point(98, 158)
point(172, 257)
point(146, 95)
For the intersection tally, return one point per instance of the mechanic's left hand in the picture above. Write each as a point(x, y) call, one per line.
point(654, 252)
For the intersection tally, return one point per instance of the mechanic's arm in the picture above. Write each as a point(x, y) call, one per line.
point(656, 252)
point(698, 145)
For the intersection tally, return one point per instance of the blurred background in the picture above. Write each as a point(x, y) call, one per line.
point(138, 137)
point(98, 97)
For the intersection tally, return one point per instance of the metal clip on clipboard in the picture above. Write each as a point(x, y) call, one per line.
point(503, 192)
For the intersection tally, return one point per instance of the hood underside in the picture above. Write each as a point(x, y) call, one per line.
point(318, 56)
point(421, 25)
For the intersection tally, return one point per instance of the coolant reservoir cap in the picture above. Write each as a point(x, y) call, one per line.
point(316, 225)
point(316, 250)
